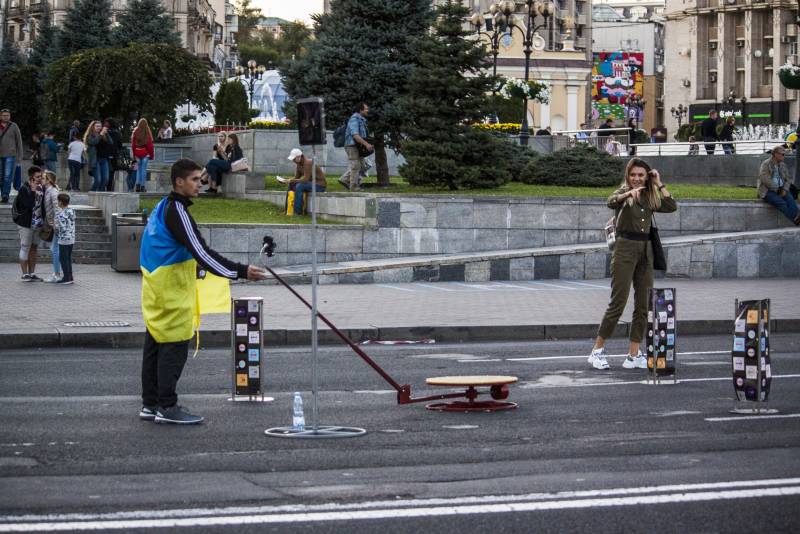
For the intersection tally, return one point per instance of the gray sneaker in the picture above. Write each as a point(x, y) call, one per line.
point(147, 413)
point(176, 415)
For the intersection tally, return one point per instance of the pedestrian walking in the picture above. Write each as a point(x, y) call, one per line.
point(48, 233)
point(97, 150)
point(775, 184)
point(26, 214)
point(708, 129)
point(726, 134)
point(65, 228)
point(74, 129)
point(75, 156)
point(357, 146)
point(642, 193)
point(48, 151)
point(143, 151)
point(11, 153)
point(171, 249)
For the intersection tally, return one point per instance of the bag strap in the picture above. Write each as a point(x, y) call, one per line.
point(5, 130)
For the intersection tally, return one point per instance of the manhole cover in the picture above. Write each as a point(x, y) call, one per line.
point(98, 324)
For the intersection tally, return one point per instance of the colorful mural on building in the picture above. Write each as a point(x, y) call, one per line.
point(616, 77)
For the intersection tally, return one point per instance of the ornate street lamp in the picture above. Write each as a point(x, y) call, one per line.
point(679, 113)
point(638, 103)
point(744, 110)
point(250, 75)
point(536, 8)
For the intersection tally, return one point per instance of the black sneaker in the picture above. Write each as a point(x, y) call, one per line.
point(177, 415)
point(147, 413)
point(4, 200)
point(34, 278)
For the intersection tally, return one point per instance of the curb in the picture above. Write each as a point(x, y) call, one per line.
point(120, 338)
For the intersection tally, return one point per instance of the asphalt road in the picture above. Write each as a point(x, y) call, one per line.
point(585, 451)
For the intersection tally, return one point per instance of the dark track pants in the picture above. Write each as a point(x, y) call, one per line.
point(162, 365)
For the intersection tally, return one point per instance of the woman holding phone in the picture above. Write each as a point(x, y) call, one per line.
point(642, 193)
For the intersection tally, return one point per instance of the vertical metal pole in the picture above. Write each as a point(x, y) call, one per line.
point(759, 333)
point(233, 350)
point(675, 335)
point(314, 377)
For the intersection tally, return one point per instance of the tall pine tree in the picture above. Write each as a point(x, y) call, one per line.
point(46, 47)
point(87, 25)
point(9, 55)
point(145, 21)
point(361, 54)
point(447, 91)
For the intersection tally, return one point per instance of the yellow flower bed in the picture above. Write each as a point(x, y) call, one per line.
point(502, 127)
point(263, 124)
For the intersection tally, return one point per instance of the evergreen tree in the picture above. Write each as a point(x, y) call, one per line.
point(87, 25)
point(45, 48)
point(361, 54)
point(447, 91)
point(9, 55)
point(145, 21)
point(231, 103)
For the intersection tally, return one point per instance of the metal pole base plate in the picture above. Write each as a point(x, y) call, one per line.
point(470, 406)
point(322, 431)
point(754, 411)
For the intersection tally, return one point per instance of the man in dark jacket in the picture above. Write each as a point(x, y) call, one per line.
point(28, 221)
point(115, 139)
point(708, 129)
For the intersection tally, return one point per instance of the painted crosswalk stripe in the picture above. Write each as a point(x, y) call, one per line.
point(388, 286)
point(557, 286)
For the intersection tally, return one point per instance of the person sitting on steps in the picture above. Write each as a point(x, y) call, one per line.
point(217, 167)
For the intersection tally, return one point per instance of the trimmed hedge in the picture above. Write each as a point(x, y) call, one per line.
point(582, 165)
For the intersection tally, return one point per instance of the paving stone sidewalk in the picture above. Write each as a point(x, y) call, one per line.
point(101, 294)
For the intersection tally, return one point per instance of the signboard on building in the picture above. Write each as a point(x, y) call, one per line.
point(616, 77)
point(755, 113)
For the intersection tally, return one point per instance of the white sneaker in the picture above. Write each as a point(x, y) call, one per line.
point(598, 359)
point(53, 278)
point(639, 362)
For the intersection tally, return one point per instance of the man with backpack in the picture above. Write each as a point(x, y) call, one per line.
point(26, 214)
point(10, 152)
point(356, 145)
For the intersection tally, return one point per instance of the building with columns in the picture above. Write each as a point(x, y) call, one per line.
point(725, 55)
point(195, 20)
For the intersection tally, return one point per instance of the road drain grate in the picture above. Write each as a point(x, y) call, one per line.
point(98, 324)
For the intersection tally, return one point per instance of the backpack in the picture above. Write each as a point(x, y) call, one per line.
point(44, 151)
point(16, 215)
point(339, 135)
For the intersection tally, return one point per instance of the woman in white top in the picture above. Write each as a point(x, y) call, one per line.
point(166, 131)
point(75, 160)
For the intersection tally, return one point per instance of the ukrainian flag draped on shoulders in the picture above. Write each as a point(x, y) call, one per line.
point(172, 295)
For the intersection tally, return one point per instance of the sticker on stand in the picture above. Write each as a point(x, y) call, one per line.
point(252, 337)
point(650, 316)
point(670, 339)
point(252, 355)
point(253, 320)
point(751, 352)
point(241, 329)
point(242, 364)
point(739, 325)
point(253, 371)
point(241, 311)
point(751, 372)
point(670, 354)
point(662, 317)
point(738, 344)
point(669, 308)
point(738, 363)
point(752, 316)
point(671, 323)
point(242, 347)
point(739, 382)
point(668, 294)
point(252, 306)
point(663, 333)
point(751, 334)
point(241, 379)
point(769, 370)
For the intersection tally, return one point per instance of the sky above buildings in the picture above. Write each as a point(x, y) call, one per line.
point(290, 9)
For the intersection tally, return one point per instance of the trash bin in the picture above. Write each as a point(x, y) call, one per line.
point(126, 234)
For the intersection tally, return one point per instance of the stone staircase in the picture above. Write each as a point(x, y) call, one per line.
point(92, 238)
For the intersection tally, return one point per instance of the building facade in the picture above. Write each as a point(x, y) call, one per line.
point(195, 20)
point(642, 38)
point(725, 55)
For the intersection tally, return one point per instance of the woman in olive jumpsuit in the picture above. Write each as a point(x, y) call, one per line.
point(641, 195)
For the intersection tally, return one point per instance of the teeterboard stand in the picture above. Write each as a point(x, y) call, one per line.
point(311, 128)
point(662, 331)
point(247, 347)
point(752, 371)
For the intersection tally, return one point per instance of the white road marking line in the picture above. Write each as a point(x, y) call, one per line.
point(746, 417)
point(573, 357)
point(474, 286)
point(478, 361)
point(398, 513)
point(552, 285)
point(596, 286)
point(431, 286)
point(506, 284)
point(436, 501)
point(538, 385)
point(388, 286)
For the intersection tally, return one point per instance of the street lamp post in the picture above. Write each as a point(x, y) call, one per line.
point(497, 24)
point(250, 74)
point(535, 8)
point(679, 113)
point(744, 110)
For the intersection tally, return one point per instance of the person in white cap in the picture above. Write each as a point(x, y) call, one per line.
point(302, 178)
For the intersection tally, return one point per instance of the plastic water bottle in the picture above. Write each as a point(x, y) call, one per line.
point(298, 419)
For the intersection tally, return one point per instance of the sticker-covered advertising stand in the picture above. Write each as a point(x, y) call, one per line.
point(248, 349)
point(752, 371)
point(662, 354)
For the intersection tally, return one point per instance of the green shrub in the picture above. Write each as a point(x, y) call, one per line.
point(688, 129)
point(517, 158)
point(582, 165)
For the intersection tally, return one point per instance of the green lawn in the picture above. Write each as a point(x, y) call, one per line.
point(399, 186)
point(224, 210)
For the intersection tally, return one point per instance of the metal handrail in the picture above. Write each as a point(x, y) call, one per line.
point(682, 148)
